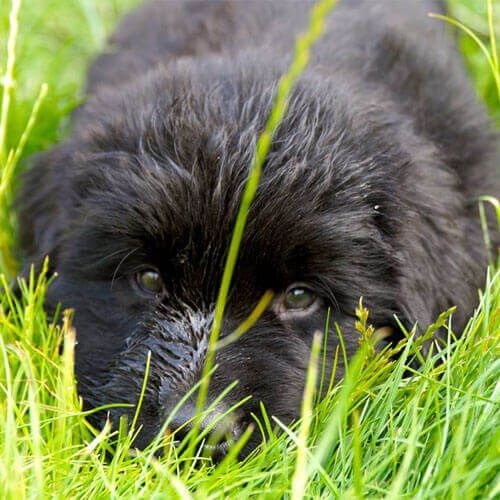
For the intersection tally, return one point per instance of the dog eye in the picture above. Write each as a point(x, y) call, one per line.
point(149, 281)
point(299, 297)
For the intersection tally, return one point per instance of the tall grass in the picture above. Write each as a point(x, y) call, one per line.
point(434, 434)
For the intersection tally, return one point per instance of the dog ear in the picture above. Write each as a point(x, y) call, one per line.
point(43, 205)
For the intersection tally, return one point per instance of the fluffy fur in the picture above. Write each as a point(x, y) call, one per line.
point(370, 189)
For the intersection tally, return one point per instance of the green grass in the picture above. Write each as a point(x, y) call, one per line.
point(435, 434)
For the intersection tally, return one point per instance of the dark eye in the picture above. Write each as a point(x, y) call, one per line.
point(149, 281)
point(299, 297)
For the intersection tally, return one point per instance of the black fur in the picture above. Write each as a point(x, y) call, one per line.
point(370, 189)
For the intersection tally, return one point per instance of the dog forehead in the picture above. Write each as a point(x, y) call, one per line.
point(188, 157)
point(184, 218)
point(202, 201)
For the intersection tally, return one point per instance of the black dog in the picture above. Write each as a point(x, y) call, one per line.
point(370, 189)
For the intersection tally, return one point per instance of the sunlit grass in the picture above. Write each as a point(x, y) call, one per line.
point(380, 433)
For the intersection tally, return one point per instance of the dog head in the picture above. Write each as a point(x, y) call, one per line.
point(136, 212)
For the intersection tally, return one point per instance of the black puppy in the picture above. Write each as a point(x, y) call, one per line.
point(370, 189)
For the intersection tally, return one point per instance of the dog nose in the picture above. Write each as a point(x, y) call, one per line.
point(220, 427)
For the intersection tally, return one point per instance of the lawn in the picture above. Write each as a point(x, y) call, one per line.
point(382, 432)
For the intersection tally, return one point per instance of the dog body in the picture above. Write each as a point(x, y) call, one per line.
point(370, 189)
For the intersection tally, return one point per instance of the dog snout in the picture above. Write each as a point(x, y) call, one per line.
point(218, 426)
point(181, 353)
point(179, 350)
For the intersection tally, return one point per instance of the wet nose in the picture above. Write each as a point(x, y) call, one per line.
point(220, 427)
